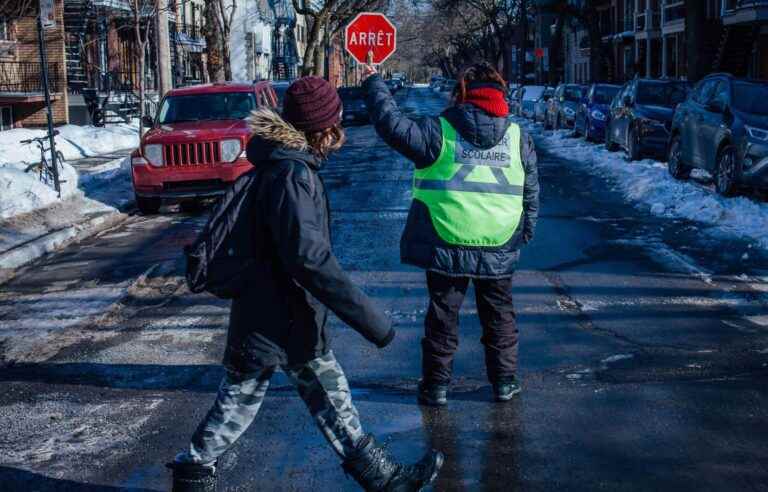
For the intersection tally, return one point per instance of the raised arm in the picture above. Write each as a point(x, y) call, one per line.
point(419, 140)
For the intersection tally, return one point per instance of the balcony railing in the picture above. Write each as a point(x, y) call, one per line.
point(647, 20)
point(26, 77)
point(729, 6)
point(673, 12)
point(191, 30)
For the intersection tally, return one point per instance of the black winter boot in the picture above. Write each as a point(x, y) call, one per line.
point(376, 471)
point(190, 477)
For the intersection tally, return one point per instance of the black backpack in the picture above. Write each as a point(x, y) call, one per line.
point(223, 259)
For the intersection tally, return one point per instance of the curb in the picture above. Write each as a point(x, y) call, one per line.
point(30, 251)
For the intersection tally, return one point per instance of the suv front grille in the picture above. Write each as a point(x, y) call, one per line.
point(192, 154)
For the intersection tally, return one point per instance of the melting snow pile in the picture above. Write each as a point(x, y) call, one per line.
point(649, 185)
point(22, 192)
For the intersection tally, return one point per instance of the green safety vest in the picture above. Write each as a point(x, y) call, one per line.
point(474, 196)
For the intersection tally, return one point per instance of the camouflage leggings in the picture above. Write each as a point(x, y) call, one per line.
point(321, 384)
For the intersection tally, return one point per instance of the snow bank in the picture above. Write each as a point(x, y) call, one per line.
point(74, 142)
point(22, 192)
point(648, 184)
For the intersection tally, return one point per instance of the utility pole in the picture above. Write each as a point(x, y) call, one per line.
point(46, 8)
point(163, 48)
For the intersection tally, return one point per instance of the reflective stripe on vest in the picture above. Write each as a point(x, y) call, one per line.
point(474, 196)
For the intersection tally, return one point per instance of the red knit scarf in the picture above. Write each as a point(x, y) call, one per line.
point(490, 100)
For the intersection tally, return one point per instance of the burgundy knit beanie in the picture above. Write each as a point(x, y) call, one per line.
point(312, 104)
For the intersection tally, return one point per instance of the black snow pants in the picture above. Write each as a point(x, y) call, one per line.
point(441, 334)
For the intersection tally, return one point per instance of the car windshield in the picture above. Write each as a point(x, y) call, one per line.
point(751, 98)
point(665, 94)
point(533, 93)
point(199, 107)
point(605, 94)
point(572, 93)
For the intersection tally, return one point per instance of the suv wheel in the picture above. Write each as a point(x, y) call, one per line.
point(675, 165)
point(725, 173)
point(634, 152)
point(148, 206)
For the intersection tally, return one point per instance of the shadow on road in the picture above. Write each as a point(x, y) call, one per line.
point(16, 479)
point(195, 378)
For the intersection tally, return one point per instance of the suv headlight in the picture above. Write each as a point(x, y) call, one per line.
point(598, 115)
point(230, 150)
point(154, 154)
point(569, 112)
point(757, 133)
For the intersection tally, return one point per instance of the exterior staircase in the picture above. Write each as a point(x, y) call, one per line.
point(77, 15)
point(735, 50)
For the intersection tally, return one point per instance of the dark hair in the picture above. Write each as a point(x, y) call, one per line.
point(324, 142)
point(482, 72)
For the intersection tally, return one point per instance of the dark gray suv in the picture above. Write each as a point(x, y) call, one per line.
point(723, 128)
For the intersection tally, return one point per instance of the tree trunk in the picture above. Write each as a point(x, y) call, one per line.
point(213, 43)
point(699, 61)
point(555, 50)
point(309, 63)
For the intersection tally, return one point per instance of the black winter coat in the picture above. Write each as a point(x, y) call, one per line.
point(420, 141)
point(281, 319)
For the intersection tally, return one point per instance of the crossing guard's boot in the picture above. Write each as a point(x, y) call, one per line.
point(191, 477)
point(375, 470)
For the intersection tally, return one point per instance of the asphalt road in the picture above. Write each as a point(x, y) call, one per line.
point(644, 354)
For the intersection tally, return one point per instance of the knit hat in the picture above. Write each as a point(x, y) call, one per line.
point(312, 104)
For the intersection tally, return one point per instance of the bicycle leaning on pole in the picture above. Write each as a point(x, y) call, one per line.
point(44, 167)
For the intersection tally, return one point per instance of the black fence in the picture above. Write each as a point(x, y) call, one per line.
point(26, 77)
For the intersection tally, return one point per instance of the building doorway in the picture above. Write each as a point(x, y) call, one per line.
point(6, 118)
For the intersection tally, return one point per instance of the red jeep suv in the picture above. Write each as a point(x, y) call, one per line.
point(195, 147)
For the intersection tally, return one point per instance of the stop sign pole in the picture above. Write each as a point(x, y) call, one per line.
point(370, 32)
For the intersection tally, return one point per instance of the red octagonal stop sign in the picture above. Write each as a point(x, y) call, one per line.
point(370, 31)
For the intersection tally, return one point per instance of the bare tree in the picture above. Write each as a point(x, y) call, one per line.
point(329, 20)
point(13, 9)
point(219, 16)
point(142, 19)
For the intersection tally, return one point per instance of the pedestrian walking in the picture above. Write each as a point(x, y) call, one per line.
point(475, 204)
point(280, 320)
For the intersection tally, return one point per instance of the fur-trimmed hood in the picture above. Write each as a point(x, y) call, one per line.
point(273, 139)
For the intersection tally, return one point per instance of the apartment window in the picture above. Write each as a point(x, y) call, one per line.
point(6, 118)
point(5, 32)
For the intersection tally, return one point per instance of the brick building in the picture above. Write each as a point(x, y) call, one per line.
point(22, 101)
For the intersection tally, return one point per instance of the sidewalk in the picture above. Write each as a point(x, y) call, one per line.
point(104, 192)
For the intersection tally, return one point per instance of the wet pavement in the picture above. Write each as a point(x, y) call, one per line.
point(644, 354)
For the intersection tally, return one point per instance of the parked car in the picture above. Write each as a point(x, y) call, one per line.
point(540, 109)
point(195, 146)
point(561, 108)
point(447, 87)
point(723, 127)
point(515, 101)
point(394, 85)
point(355, 111)
point(592, 113)
point(640, 117)
point(531, 95)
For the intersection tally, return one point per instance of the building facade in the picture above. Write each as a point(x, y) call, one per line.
point(22, 100)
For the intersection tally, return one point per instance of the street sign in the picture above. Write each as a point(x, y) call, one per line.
point(370, 31)
point(47, 14)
